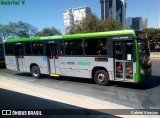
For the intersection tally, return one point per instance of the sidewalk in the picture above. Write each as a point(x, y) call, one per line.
point(155, 55)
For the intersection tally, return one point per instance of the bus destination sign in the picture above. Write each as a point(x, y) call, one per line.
point(122, 38)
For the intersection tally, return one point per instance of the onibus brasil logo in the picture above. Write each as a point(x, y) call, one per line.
point(12, 2)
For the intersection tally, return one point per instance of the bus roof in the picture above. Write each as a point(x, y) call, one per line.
point(71, 36)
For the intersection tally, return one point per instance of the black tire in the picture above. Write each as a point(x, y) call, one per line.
point(101, 77)
point(35, 71)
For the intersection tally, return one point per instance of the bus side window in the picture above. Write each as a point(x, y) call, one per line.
point(77, 47)
point(118, 51)
point(96, 46)
point(67, 45)
point(129, 51)
point(9, 49)
point(74, 47)
point(28, 48)
point(37, 48)
point(61, 48)
point(49, 52)
point(19, 50)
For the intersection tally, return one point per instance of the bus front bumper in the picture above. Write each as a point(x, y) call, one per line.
point(143, 75)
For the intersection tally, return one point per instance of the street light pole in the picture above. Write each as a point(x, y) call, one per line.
point(159, 22)
point(104, 9)
point(147, 16)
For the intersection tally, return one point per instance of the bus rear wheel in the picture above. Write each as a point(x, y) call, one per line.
point(35, 71)
point(101, 77)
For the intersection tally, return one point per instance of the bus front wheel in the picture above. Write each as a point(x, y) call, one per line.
point(101, 77)
point(35, 71)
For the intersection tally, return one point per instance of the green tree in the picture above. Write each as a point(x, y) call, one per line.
point(91, 23)
point(17, 30)
point(25, 30)
point(154, 37)
point(111, 25)
point(5, 32)
point(2, 32)
point(49, 32)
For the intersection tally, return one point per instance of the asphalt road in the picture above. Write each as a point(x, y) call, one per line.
point(14, 101)
point(145, 95)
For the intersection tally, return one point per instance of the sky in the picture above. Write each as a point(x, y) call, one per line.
point(49, 13)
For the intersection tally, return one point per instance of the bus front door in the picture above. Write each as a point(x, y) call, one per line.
point(123, 55)
point(51, 51)
point(19, 53)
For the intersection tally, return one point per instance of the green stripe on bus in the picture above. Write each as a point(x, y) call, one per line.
point(71, 36)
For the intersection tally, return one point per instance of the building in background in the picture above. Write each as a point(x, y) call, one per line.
point(144, 23)
point(68, 18)
point(134, 23)
point(114, 9)
point(74, 16)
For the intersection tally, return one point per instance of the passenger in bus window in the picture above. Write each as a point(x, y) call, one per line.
point(98, 52)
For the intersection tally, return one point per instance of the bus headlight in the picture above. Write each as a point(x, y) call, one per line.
point(142, 71)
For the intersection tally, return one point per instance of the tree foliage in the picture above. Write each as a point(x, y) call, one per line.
point(17, 30)
point(91, 23)
point(111, 25)
point(49, 32)
point(154, 37)
point(2, 32)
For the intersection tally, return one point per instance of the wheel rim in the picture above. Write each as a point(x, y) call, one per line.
point(101, 78)
point(35, 72)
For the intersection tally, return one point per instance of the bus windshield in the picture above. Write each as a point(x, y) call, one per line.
point(143, 45)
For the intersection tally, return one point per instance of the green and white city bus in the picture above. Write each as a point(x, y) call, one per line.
point(115, 55)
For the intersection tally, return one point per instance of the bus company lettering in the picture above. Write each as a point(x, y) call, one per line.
point(120, 38)
point(70, 63)
point(12, 2)
point(51, 37)
point(84, 63)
